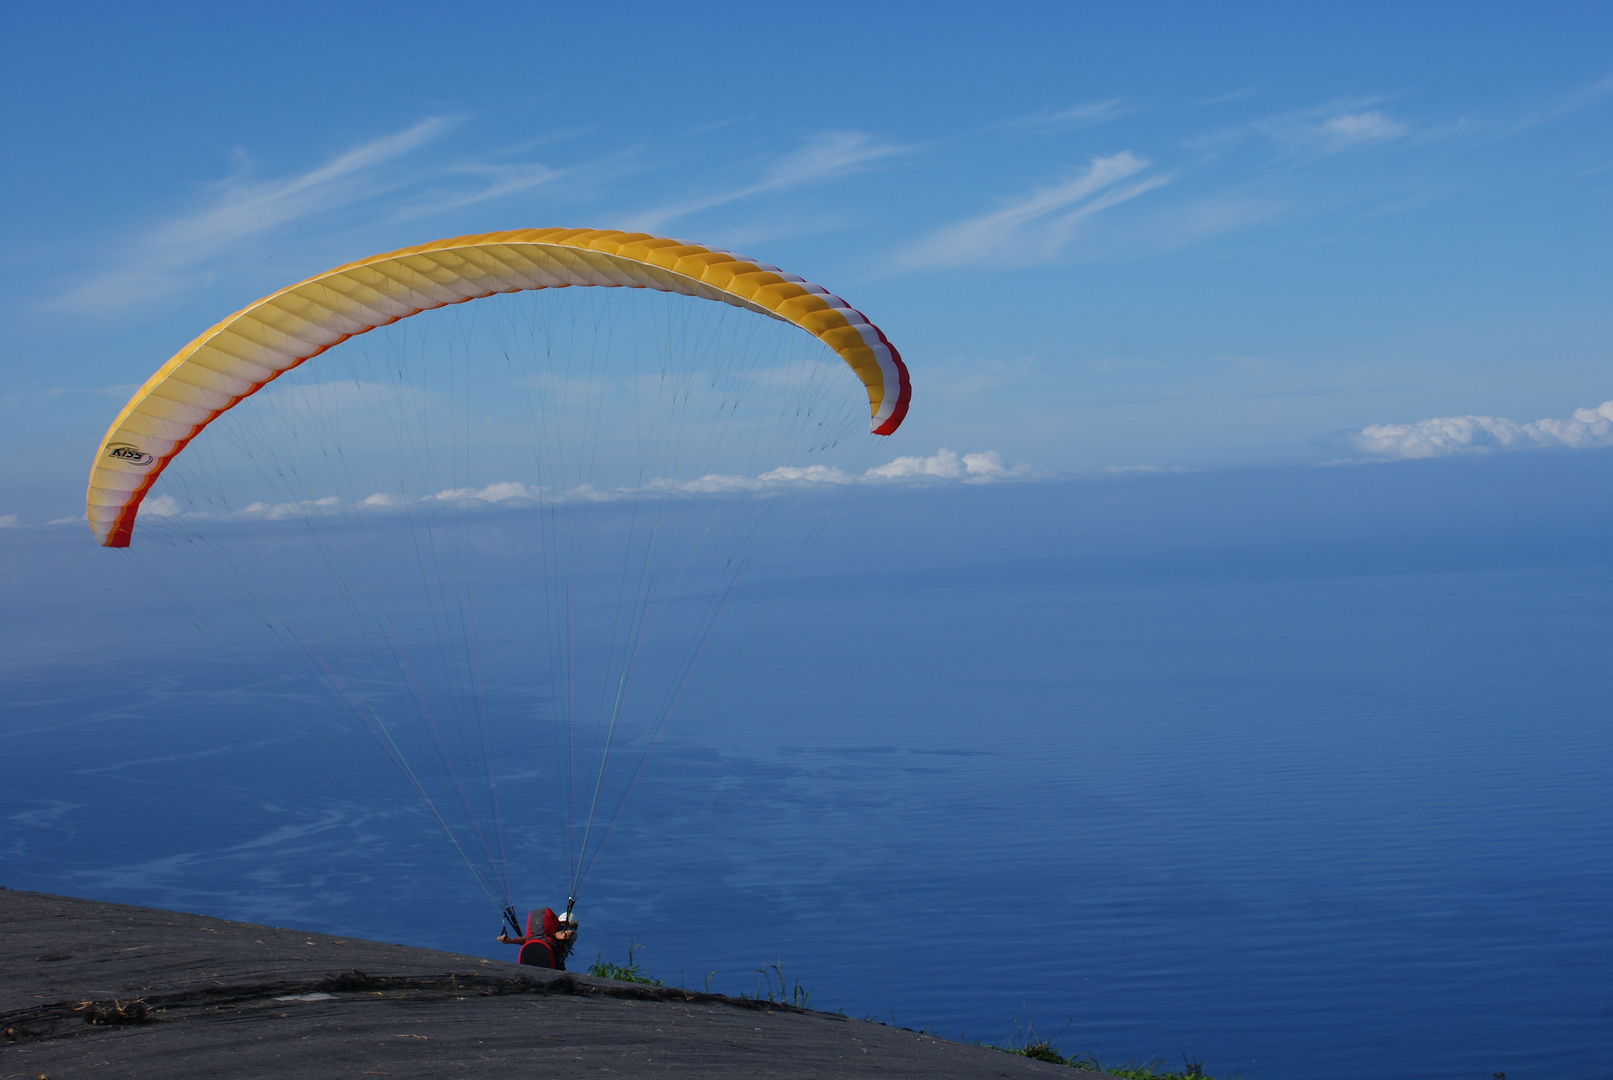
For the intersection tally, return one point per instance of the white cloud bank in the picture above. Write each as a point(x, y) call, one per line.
point(1444, 435)
point(942, 467)
point(945, 465)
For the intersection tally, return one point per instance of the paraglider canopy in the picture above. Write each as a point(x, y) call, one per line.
point(240, 355)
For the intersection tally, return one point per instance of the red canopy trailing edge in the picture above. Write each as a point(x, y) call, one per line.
point(239, 356)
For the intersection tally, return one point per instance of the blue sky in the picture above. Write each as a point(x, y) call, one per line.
point(1104, 236)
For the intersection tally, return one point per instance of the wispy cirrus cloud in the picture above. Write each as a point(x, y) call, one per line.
point(1037, 227)
point(1314, 132)
point(1234, 177)
point(1231, 95)
point(1334, 132)
point(824, 156)
point(486, 182)
point(174, 254)
point(1588, 96)
point(246, 207)
point(32, 397)
point(168, 256)
point(1081, 115)
point(1442, 436)
point(1346, 129)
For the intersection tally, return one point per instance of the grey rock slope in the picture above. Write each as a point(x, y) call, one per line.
point(106, 990)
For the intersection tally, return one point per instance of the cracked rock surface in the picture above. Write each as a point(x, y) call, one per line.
point(89, 989)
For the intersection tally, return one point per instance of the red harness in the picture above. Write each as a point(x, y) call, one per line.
point(539, 953)
point(539, 948)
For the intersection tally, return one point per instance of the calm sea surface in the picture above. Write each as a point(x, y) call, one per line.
point(1303, 774)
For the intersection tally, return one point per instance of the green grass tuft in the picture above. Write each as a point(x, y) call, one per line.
point(776, 988)
point(1027, 1043)
point(632, 971)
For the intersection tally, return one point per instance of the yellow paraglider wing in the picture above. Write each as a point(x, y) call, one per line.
point(236, 358)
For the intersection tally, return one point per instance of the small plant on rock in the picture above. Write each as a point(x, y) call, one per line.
point(632, 971)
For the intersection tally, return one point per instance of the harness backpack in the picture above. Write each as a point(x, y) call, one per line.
point(541, 949)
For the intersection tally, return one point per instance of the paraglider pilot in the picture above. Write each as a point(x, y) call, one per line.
point(547, 941)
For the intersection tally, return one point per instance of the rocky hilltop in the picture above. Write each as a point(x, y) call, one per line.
point(108, 990)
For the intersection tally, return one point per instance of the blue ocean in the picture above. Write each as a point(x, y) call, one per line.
point(1301, 773)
